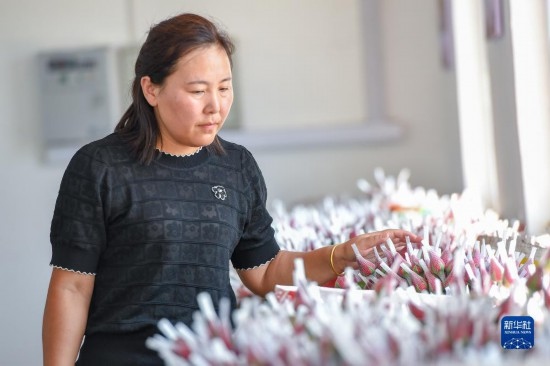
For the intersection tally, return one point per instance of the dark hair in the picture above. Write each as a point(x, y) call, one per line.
point(166, 43)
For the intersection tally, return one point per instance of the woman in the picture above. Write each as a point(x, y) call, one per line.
point(151, 215)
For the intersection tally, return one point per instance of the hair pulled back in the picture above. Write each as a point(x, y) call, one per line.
point(165, 44)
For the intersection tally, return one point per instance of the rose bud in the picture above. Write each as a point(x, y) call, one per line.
point(414, 263)
point(446, 256)
point(181, 348)
point(476, 256)
point(485, 280)
point(379, 259)
point(397, 260)
point(417, 281)
point(388, 255)
point(496, 270)
point(437, 265)
point(469, 276)
point(417, 311)
point(429, 276)
point(341, 282)
point(460, 328)
point(510, 272)
point(394, 345)
point(366, 267)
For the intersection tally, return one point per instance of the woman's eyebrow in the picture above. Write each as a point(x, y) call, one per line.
point(206, 82)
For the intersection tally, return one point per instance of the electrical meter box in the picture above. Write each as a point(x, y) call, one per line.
point(79, 98)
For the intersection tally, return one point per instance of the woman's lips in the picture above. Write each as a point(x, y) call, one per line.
point(208, 126)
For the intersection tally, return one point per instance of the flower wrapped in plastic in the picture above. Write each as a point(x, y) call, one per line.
point(320, 326)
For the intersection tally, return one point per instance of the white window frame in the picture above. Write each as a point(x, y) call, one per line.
point(377, 127)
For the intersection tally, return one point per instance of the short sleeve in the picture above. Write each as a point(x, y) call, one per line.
point(78, 232)
point(257, 245)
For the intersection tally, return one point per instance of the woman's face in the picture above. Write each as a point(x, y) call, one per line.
point(194, 101)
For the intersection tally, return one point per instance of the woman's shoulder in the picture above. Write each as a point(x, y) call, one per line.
point(240, 158)
point(235, 150)
point(109, 150)
point(228, 145)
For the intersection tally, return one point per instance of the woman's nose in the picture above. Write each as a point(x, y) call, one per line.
point(213, 105)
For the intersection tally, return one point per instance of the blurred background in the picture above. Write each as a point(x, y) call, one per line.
point(325, 91)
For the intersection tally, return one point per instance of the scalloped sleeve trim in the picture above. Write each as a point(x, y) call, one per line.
point(72, 270)
point(259, 265)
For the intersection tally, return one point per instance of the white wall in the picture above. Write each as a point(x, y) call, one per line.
point(420, 96)
point(419, 93)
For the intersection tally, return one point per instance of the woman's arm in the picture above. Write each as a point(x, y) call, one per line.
point(65, 316)
point(262, 280)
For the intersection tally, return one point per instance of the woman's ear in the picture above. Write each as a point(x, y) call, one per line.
point(150, 90)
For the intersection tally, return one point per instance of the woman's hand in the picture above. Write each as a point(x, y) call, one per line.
point(343, 255)
point(322, 264)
